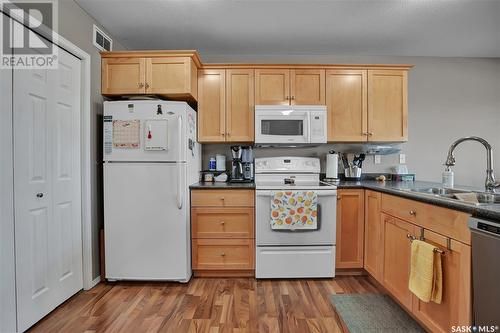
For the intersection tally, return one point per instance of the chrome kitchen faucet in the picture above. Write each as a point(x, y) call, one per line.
point(490, 183)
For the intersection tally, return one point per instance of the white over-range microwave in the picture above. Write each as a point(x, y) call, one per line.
point(290, 124)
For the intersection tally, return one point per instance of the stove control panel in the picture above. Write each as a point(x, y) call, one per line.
point(287, 164)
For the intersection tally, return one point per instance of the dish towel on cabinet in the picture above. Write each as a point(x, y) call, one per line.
point(294, 210)
point(426, 274)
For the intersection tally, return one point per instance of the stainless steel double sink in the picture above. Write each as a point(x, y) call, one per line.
point(483, 198)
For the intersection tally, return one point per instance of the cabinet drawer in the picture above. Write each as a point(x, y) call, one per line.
point(222, 198)
point(222, 222)
point(447, 222)
point(223, 254)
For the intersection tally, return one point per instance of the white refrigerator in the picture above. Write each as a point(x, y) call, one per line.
point(151, 156)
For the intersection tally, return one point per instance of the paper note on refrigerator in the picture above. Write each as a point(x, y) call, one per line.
point(126, 133)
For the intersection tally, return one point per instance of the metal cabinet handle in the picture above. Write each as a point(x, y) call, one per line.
point(222, 254)
point(370, 133)
point(293, 97)
point(222, 198)
point(222, 222)
point(147, 85)
point(413, 213)
point(140, 84)
point(39, 195)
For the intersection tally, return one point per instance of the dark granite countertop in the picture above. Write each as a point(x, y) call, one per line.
point(221, 185)
point(401, 189)
point(404, 189)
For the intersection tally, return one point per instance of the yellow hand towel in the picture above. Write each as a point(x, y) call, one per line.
point(426, 276)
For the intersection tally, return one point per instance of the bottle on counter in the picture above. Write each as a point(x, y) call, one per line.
point(448, 178)
point(212, 164)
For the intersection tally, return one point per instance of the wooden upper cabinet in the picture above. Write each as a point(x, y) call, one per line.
point(240, 98)
point(171, 75)
point(346, 100)
point(455, 308)
point(307, 86)
point(374, 250)
point(397, 254)
point(211, 105)
point(387, 105)
point(123, 76)
point(272, 86)
point(350, 229)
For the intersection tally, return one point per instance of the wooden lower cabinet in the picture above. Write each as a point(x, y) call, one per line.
point(396, 269)
point(223, 232)
point(373, 259)
point(223, 254)
point(455, 309)
point(350, 228)
point(217, 222)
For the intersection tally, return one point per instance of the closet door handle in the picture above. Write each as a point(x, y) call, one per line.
point(39, 195)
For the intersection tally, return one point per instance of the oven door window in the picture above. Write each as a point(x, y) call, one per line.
point(282, 127)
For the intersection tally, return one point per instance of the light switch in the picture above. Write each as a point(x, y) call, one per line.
point(377, 159)
point(156, 134)
point(402, 158)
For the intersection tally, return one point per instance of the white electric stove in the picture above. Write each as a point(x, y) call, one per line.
point(294, 253)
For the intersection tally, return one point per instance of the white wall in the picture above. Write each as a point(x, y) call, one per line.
point(448, 98)
point(77, 26)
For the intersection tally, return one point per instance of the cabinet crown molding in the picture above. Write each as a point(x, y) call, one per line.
point(197, 59)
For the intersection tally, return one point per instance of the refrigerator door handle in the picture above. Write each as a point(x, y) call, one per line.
point(179, 164)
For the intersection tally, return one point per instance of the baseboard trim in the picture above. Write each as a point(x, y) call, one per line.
point(94, 283)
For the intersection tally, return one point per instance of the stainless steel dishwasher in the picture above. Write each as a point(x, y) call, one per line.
point(486, 271)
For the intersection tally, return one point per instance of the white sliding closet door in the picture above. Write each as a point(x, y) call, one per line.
point(47, 187)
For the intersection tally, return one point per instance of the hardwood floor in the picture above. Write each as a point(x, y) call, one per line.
point(206, 305)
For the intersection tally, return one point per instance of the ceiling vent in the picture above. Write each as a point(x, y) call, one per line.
point(102, 41)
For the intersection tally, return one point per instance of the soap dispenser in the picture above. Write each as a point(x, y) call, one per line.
point(448, 178)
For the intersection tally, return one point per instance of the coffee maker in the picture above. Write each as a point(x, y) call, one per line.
point(247, 160)
point(242, 164)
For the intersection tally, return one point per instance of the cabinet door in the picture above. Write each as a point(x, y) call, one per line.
point(346, 99)
point(211, 105)
point(396, 271)
point(272, 86)
point(169, 75)
point(387, 105)
point(374, 249)
point(123, 76)
point(350, 229)
point(455, 308)
point(240, 116)
point(307, 86)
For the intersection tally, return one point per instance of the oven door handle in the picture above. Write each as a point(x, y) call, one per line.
point(321, 193)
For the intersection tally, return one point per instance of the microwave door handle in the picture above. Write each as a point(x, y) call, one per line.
point(179, 164)
point(307, 127)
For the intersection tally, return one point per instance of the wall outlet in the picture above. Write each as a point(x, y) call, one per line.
point(402, 158)
point(377, 159)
